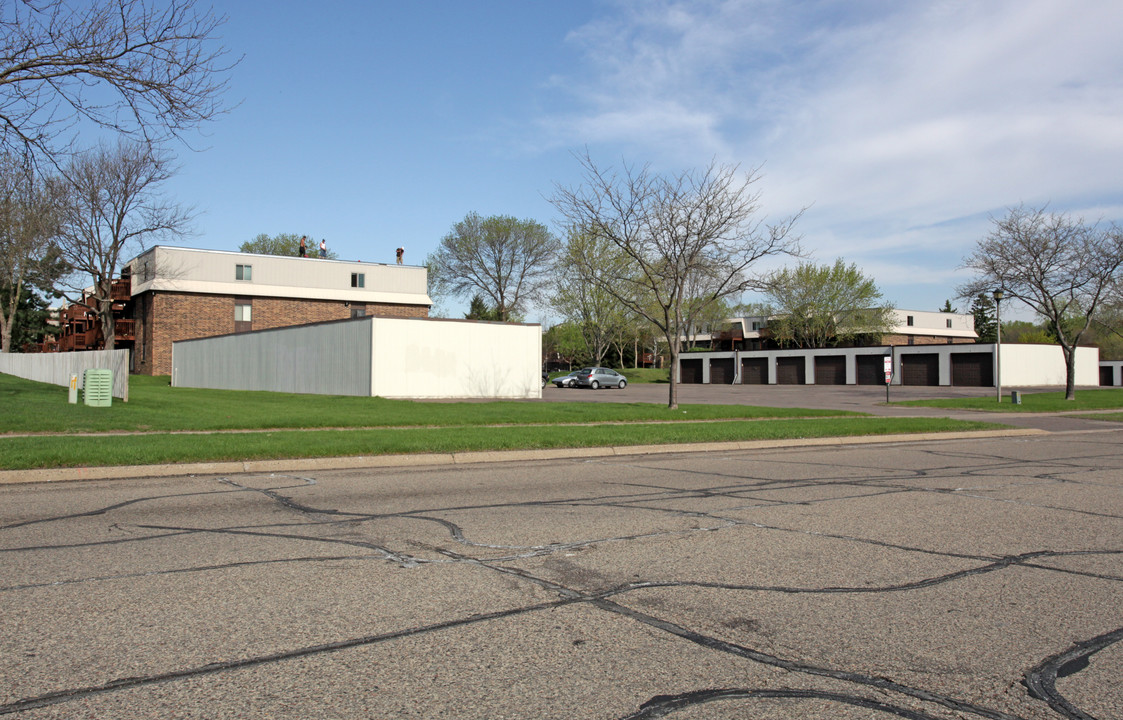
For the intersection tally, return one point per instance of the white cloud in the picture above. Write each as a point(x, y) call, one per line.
point(903, 124)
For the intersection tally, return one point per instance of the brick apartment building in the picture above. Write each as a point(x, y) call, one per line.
point(184, 293)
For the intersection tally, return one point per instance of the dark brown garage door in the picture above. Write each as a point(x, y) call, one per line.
point(691, 371)
point(754, 371)
point(972, 369)
point(721, 371)
point(791, 371)
point(830, 370)
point(871, 369)
point(920, 369)
point(1106, 375)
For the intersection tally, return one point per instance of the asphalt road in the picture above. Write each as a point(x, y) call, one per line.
point(954, 579)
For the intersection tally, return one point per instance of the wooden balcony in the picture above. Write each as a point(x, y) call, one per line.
point(124, 330)
point(121, 290)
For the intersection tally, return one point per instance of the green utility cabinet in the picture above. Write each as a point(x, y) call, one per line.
point(98, 390)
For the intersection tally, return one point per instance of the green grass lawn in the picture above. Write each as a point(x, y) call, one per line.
point(155, 405)
point(21, 453)
point(292, 426)
point(1045, 402)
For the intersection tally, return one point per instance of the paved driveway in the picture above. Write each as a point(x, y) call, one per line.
point(966, 579)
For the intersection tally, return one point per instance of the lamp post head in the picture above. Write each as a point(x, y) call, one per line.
point(998, 295)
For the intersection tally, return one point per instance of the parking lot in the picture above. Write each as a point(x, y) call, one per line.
point(953, 579)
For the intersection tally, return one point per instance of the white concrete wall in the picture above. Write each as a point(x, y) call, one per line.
point(1045, 365)
point(455, 359)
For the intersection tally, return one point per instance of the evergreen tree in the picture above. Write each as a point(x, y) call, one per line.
point(985, 326)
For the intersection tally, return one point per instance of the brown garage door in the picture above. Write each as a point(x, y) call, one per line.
point(830, 370)
point(871, 369)
point(920, 369)
point(754, 371)
point(1106, 375)
point(691, 371)
point(791, 371)
point(721, 371)
point(972, 369)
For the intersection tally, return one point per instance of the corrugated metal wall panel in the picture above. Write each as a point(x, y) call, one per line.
point(324, 359)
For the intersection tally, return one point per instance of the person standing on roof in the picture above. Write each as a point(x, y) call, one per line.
point(303, 246)
point(323, 248)
point(401, 252)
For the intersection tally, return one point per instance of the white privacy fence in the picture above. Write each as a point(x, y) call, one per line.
point(56, 368)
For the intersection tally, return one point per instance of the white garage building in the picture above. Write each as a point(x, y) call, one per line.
point(371, 356)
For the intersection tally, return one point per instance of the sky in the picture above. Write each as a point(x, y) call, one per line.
point(900, 128)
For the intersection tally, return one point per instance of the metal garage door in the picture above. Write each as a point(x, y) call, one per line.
point(871, 369)
point(791, 371)
point(920, 369)
point(721, 371)
point(972, 369)
point(754, 371)
point(1106, 375)
point(691, 371)
point(830, 370)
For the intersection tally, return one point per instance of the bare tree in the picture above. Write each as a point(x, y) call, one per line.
point(687, 240)
point(507, 260)
point(28, 227)
point(1062, 268)
point(113, 207)
point(147, 70)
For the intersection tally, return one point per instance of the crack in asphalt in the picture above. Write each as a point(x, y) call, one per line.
point(1040, 681)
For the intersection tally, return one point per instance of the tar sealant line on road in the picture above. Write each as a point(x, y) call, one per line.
point(10, 477)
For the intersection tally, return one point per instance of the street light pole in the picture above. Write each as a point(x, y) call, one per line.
point(998, 295)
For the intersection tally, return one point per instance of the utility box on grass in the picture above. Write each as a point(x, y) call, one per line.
point(98, 390)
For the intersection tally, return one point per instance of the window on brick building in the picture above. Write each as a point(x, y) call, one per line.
point(358, 280)
point(243, 313)
point(243, 272)
point(908, 320)
point(949, 323)
point(358, 312)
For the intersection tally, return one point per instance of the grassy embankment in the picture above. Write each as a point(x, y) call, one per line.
point(278, 425)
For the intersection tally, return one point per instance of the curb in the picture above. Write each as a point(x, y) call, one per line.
point(120, 472)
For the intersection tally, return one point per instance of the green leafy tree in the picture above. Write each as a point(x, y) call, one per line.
point(1063, 268)
point(582, 299)
point(685, 240)
point(30, 324)
point(565, 343)
point(506, 260)
point(982, 307)
point(1023, 332)
point(826, 306)
point(283, 244)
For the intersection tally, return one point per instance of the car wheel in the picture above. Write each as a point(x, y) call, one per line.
point(594, 384)
point(623, 384)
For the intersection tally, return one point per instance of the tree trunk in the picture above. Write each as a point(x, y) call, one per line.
point(108, 326)
point(1070, 371)
point(672, 398)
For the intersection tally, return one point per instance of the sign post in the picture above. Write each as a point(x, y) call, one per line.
point(888, 375)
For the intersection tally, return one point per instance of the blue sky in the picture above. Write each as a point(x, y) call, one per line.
point(901, 126)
